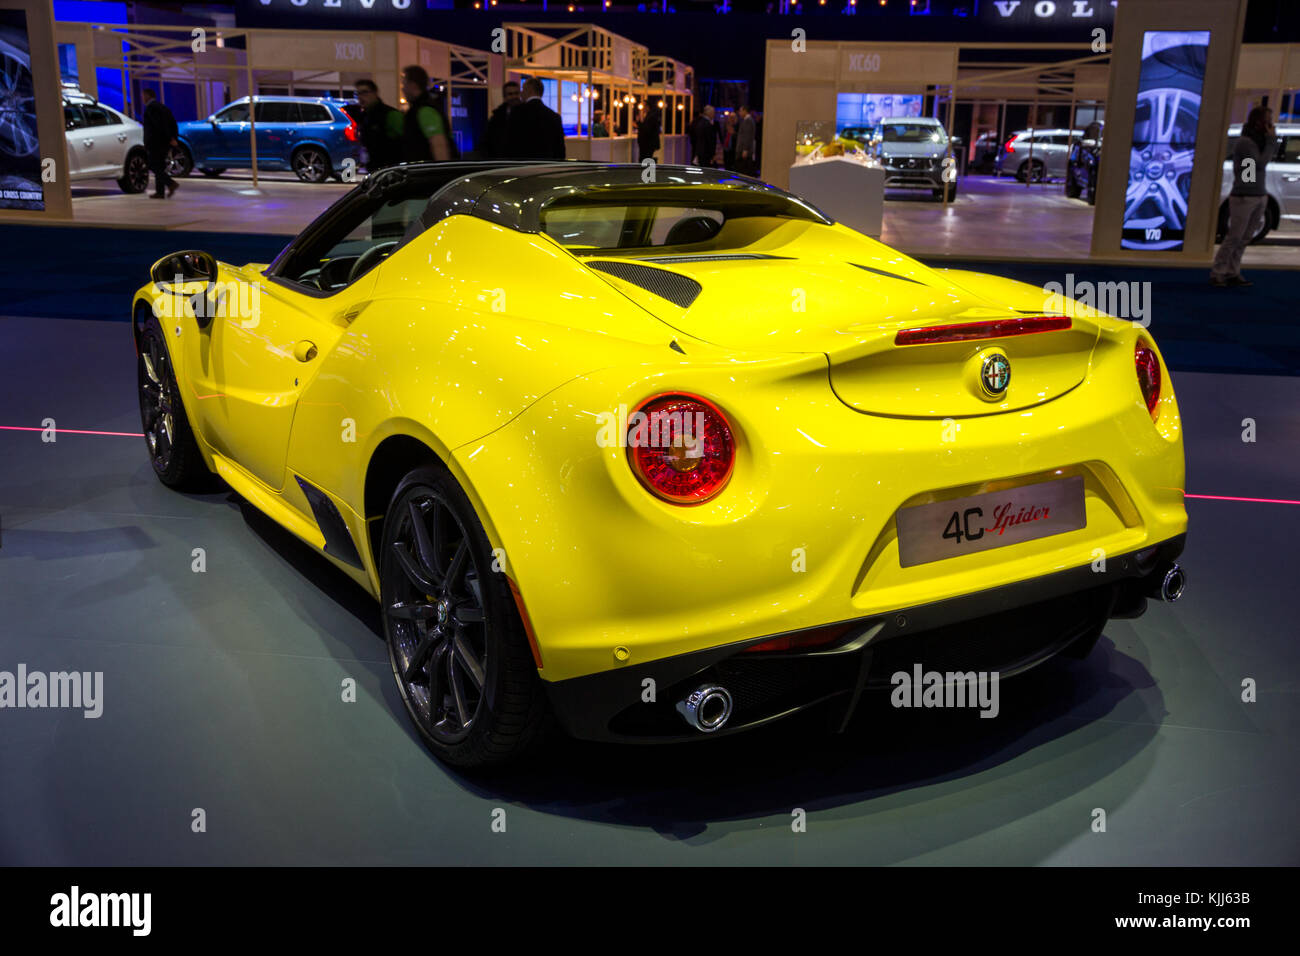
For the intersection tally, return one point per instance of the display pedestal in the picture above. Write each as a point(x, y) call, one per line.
point(845, 190)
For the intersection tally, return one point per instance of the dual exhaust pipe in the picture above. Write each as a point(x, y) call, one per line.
point(708, 707)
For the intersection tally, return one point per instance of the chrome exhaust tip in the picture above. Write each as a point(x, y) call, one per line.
point(706, 708)
point(1172, 584)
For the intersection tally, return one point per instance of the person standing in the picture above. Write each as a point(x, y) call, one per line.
point(704, 138)
point(746, 140)
point(381, 128)
point(647, 133)
point(496, 139)
point(729, 141)
point(159, 137)
point(426, 134)
point(1248, 201)
point(536, 130)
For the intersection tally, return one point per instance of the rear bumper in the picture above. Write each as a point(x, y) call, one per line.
point(1006, 630)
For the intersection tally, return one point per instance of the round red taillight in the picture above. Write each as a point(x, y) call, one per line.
point(681, 448)
point(1148, 373)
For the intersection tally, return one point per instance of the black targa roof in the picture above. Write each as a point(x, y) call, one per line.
point(514, 195)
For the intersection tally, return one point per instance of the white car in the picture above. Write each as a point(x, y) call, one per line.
point(103, 144)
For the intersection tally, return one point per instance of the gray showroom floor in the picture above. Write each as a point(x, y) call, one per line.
point(222, 691)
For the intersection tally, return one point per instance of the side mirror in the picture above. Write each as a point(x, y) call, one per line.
point(181, 268)
point(174, 272)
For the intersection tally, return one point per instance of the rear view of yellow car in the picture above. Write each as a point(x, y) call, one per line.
point(669, 459)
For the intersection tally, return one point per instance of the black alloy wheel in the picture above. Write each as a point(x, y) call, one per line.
point(1032, 171)
point(179, 161)
point(455, 640)
point(173, 452)
point(135, 173)
point(311, 165)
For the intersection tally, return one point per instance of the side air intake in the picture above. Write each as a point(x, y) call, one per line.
point(678, 289)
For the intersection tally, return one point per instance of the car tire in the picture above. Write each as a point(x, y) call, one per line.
point(173, 451)
point(135, 172)
point(456, 642)
point(212, 173)
point(1072, 190)
point(180, 162)
point(311, 164)
point(937, 194)
point(1031, 170)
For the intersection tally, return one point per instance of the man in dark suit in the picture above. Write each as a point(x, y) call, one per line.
point(536, 130)
point(496, 141)
point(704, 138)
point(647, 133)
point(159, 137)
point(747, 143)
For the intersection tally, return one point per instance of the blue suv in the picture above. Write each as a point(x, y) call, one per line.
point(312, 136)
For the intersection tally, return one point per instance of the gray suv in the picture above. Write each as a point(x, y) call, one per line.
point(1033, 155)
point(915, 151)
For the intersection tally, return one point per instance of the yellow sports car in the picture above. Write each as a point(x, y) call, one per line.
point(658, 460)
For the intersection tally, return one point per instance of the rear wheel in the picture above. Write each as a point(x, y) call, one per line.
point(173, 452)
point(135, 173)
point(455, 640)
point(310, 164)
point(1031, 171)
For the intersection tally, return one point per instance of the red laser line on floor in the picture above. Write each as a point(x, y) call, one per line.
point(70, 431)
point(1265, 501)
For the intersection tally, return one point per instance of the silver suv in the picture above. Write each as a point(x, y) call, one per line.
point(1033, 155)
point(1281, 181)
point(914, 151)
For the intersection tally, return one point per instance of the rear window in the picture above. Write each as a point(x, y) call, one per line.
point(615, 227)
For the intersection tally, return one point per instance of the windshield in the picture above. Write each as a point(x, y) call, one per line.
point(912, 133)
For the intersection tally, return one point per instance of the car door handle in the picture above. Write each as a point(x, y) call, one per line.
point(88, 143)
point(1291, 179)
point(304, 351)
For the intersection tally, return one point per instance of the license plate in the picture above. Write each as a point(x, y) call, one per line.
point(946, 529)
